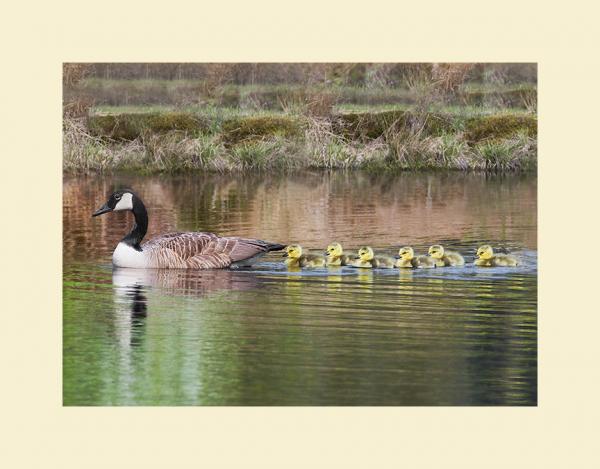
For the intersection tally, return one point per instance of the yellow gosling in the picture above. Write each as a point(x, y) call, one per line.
point(296, 258)
point(368, 260)
point(443, 258)
point(335, 255)
point(407, 260)
point(487, 258)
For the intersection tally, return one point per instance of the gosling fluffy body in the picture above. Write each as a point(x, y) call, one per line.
point(296, 257)
point(443, 258)
point(407, 260)
point(368, 260)
point(487, 258)
point(335, 255)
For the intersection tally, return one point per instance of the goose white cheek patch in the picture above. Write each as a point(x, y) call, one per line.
point(126, 202)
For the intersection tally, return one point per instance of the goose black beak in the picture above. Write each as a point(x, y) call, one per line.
point(104, 209)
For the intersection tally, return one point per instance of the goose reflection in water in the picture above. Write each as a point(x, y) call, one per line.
point(132, 286)
point(131, 309)
point(181, 282)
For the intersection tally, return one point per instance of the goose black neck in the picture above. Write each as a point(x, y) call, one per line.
point(135, 236)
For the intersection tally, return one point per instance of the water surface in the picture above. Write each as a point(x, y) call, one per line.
point(338, 336)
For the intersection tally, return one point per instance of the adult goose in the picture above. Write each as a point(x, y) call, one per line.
point(191, 250)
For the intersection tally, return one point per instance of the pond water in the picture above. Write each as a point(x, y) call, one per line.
point(338, 336)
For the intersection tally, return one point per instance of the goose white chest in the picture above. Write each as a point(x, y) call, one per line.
point(125, 255)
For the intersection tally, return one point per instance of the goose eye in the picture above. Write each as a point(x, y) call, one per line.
point(118, 197)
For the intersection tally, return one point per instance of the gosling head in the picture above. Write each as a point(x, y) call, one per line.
point(366, 253)
point(293, 251)
point(436, 251)
point(406, 253)
point(119, 200)
point(485, 252)
point(334, 250)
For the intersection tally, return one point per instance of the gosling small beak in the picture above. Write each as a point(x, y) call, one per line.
point(396, 257)
point(326, 253)
point(285, 254)
point(104, 209)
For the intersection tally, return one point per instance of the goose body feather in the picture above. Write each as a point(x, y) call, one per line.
point(192, 250)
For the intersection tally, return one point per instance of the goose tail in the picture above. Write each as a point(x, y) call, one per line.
point(274, 246)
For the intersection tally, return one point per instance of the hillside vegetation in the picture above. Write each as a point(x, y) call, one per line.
point(433, 117)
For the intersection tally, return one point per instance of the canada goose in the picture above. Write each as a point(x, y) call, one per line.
point(295, 257)
point(445, 258)
point(368, 260)
point(407, 259)
point(335, 255)
point(191, 250)
point(487, 258)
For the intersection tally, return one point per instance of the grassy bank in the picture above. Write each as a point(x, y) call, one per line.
point(225, 139)
point(373, 116)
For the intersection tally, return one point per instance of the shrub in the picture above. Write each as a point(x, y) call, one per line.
point(516, 153)
point(132, 126)
point(502, 126)
point(248, 129)
point(372, 125)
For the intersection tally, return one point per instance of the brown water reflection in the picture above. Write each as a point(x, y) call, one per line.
point(312, 208)
point(455, 336)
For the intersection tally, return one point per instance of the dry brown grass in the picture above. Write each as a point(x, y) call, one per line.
point(310, 102)
point(319, 146)
point(75, 104)
point(448, 78)
point(84, 153)
point(217, 75)
point(73, 73)
point(324, 148)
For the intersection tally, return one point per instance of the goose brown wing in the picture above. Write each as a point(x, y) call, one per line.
point(240, 249)
point(197, 250)
point(193, 250)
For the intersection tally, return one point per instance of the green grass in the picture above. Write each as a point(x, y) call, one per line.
point(223, 113)
point(187, 94)
point(210, 111)
point(516, 153)
point(497, 87)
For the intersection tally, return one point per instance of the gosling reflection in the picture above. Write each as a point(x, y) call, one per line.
point(334, 280)
point(365, 281)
